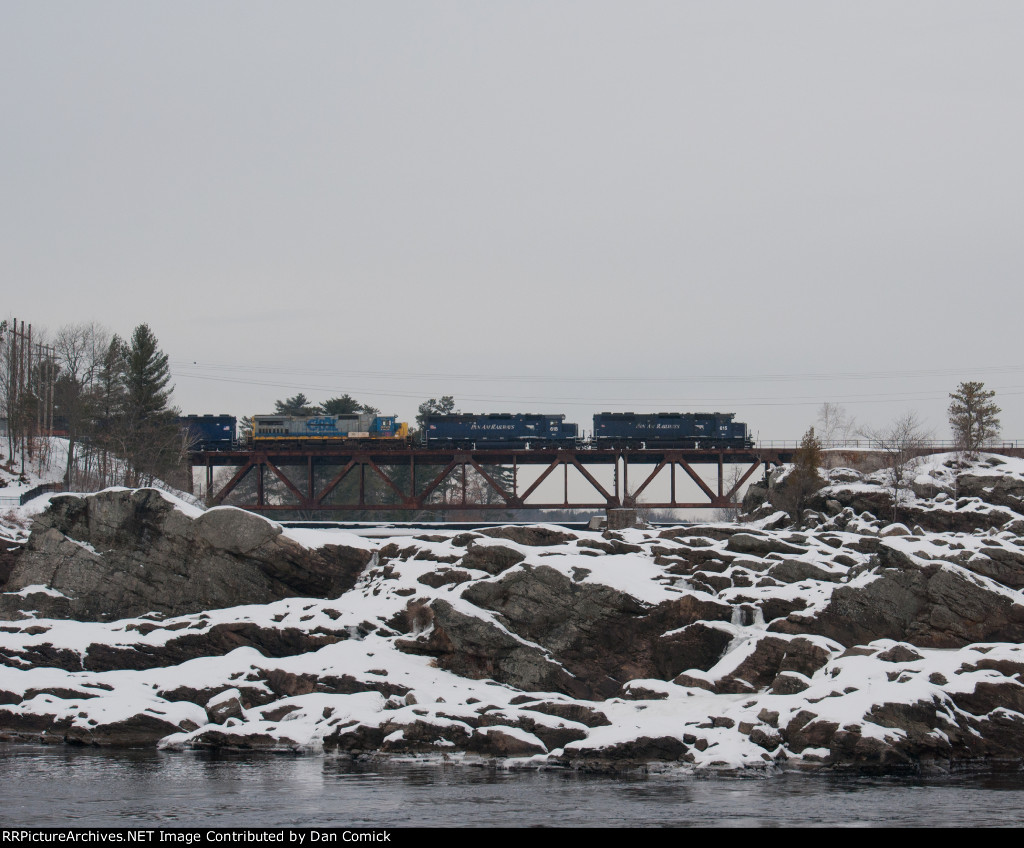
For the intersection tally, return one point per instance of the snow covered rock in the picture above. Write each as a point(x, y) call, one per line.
point(701, 646)
point(122, 553)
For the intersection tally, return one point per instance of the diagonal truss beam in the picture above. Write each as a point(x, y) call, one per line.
point(746, 475)
point(610, 499)
point(229, 487)
point(433, 484)
point(303, 499)
point(394, 487)
point(544, 475)
point(634, 495)
point(509, 499)
point(697, 479)
point(335, 481)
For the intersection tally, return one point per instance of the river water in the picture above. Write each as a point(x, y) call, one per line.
point(61, 786)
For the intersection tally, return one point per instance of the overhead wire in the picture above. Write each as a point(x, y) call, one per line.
point(690, 403)
point(184, 367)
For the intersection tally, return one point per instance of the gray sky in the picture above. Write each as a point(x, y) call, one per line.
point(534, 206)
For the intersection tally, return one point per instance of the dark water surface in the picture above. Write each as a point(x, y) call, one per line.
point(50, 786)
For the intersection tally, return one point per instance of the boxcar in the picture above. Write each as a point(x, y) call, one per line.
point(498, 430)
point(209, 432)
point(307, 430)
point(670, 430)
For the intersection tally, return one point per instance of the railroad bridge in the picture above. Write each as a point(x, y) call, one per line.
point(387, 479)
point(362, 479)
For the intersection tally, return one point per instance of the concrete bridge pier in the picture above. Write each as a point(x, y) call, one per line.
point(621, 518)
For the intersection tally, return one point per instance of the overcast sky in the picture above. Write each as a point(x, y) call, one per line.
point(535, 206)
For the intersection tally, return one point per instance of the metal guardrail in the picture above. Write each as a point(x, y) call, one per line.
point(35, 492)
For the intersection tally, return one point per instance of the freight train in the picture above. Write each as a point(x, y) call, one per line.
point(500, 431)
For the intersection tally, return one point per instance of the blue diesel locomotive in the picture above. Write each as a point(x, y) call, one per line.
point(498, 430)
point(670, 430)
point(209, 432)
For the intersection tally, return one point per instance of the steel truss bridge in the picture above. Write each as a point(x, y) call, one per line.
point(387, 479)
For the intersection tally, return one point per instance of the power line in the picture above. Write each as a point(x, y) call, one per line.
point(183, 368)
point(690, 403)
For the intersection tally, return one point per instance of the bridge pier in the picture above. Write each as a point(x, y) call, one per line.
point(621, 518)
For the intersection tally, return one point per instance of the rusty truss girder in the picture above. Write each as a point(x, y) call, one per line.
point(388, 479)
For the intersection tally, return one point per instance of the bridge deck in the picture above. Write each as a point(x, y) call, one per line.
point(384, 478)
point(357, 479)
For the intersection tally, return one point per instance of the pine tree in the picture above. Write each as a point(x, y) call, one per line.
point(804, 479)
point(346, 405)
point(296, 405)
point(107, 427)
point(807, 459)
point(973, 416)
point(445, 406)
point(153, 442)
point(146, 376)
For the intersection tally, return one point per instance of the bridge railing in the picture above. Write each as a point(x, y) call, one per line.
point(25, 497)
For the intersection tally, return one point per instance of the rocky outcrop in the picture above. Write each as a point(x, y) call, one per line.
point(532, 536)
point(10, 549)
point(1005, 490)
point(550, 631)
point(474, 647)
point(938, 494)
point(122, 553)
point(934, 605)
point(494, 559)
point(856, 642)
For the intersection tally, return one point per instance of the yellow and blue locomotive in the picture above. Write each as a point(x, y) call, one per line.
point(306, 430)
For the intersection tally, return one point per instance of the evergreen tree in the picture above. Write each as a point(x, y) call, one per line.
point(146, 377)
point(805, 478)
point(973, 416)
point(110, 384)
point(297, 405)
point(346, 405)
point(445, 406)
point(807, 459)
point(153, 443)
point(108, 428)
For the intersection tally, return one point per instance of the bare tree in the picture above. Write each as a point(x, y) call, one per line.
point(902, 443)
point(27, 371)
point(81, 350)
point(834, 423)
point(729, 514)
